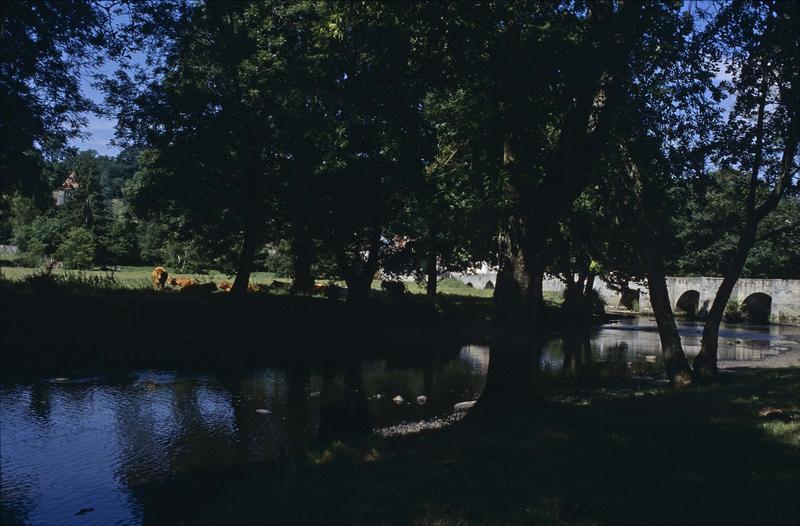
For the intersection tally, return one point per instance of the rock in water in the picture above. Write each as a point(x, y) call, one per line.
point(422, 400)
point(398, 400)
point(463, 406)
point(263, 411)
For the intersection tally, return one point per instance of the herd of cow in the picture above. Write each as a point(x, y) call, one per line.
point(161, 279)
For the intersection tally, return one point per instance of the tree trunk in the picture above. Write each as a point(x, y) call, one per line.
point(302, 258)
point(431, 274)
point(509, 380)
point(359, 274)
point(677, 366)
point(535, 292)
point(245, 265)
point(589, 284)
point(705, 363)
point(510, 301)
point(358, 287)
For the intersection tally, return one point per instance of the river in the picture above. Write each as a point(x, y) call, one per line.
point(74, 450)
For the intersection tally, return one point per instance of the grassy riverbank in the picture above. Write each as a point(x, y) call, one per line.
point(92, 322)
point(138, 278)
point(703, 456)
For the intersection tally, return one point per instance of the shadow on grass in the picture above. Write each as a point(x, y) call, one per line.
point(702, 456)
point(75, 326)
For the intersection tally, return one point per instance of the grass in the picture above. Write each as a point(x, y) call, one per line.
point(701, 456)
point(139, 278)
point(82, 322)
point(134, 277)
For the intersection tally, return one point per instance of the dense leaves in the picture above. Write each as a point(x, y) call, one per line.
point(579, 138)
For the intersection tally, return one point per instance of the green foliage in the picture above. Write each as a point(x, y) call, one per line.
point(734, 312)
point(707, 231)
point(278, 258)
point(122, 243)
point(77, 251)
point(39, 239)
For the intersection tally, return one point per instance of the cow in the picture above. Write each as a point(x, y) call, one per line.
point(281, 285)
point(394, 289)
point(159, 278)
point(181, 282)
point(225, 286)
point(252, 287)
point(334, 292)
point(199, 288)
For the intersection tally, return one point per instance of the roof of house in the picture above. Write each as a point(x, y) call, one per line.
point(71, 182)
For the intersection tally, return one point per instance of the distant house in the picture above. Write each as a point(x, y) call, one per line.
point(61, 194)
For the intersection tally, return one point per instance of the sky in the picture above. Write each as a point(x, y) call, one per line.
point(100, 130)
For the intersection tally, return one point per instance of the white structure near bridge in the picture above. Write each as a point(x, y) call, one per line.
point(773, 300)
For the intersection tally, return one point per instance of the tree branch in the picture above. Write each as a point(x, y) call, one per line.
point(778, 231)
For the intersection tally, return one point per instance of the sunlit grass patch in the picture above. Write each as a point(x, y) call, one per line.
point(787, 432)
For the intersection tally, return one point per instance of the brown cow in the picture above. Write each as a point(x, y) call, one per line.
point(159, 277)
point(181, 282)
point(199, 288)
point(225, 286)
point(281, 285)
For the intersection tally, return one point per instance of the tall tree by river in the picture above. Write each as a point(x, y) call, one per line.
point(761, 43)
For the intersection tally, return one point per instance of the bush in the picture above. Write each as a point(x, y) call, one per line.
point(78, 249)
point(38, 239)
point(581, 307)
point(734, 313)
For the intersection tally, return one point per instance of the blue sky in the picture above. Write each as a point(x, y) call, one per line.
point(100, 130)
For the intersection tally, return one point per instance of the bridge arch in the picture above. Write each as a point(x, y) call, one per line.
point(689, 303)
point(489, 285)
point(757, 308)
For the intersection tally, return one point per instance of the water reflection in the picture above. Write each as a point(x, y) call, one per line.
point(66, 445)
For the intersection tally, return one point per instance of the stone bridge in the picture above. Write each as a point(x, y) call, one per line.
point(765, 300)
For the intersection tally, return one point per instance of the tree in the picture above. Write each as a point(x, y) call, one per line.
point(47, 47)
point(86, 206)
point(707, 230)
point(77, 251)
point(762, 48)
point(379, 134)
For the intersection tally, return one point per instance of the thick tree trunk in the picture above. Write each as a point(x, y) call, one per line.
point(535, 291)
point(675, 362)
point(302, 259)
point(245, 265)
point(705, 363)
point(511, 294)
point(509, 380)
point(589, 284)
point(348, 415)
point(431, 274)
point(358, 274)
point(358, 287)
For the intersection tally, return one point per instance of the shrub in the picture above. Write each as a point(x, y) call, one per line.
point(38, 239)
point(734, 312)
point(78, 249)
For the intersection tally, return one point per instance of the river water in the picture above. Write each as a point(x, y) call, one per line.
point(74, 450)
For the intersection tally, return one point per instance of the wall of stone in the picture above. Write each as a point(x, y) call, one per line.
point(785, 293)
